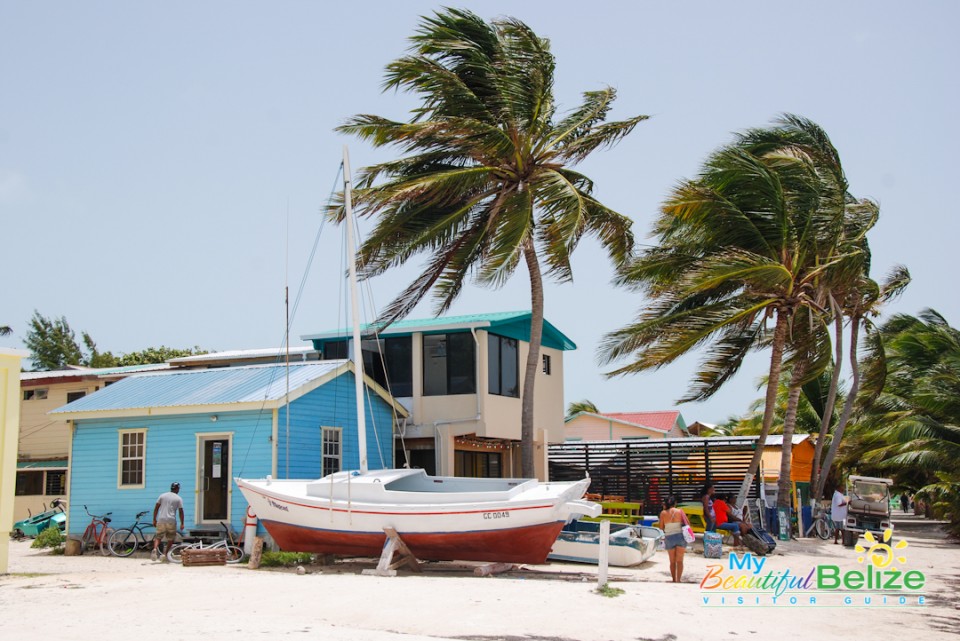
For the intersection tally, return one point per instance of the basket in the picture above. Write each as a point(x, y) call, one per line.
point(217, 556)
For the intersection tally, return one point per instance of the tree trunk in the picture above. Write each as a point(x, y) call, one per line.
point(847, 406)
point(776, 361)
point(527, 451)
point(784, 483)
point(827, 409)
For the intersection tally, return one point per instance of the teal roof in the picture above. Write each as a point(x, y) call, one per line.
point(191, 388)
point(36, 465)
point(509, 324)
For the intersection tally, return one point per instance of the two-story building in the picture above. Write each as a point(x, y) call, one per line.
point(461, 380)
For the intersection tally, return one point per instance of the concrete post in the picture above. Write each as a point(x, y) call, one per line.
point(9, 436)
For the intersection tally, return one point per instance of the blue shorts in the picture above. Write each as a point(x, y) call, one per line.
point(730, 526)
point(674, 541)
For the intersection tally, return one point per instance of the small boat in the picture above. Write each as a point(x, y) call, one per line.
point(629, 545)
point(439, 518)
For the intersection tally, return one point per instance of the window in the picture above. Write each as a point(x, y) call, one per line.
point(331, 449)
point(75, 396)
point(335, 350)
point(56, 483)
point(35, 395)
point(132, 458)
point(546, 364)
point(503, 375)
point(477, 464)
point(449, 364)
point(389, 361)
point(29, 483)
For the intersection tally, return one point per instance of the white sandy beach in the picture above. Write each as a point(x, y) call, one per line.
point(91, 596)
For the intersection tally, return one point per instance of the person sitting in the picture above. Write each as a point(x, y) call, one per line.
point(729, 519)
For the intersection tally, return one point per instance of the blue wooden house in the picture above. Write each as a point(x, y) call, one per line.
point(202, 428)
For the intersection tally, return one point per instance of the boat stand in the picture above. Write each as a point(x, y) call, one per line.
point(394, 546)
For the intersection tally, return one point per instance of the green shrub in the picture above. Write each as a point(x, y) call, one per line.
point(49, 538)
point(285, 559)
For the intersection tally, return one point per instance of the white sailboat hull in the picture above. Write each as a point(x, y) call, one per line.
point(439, 518)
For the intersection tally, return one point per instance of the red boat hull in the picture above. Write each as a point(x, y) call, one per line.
point(516, 545)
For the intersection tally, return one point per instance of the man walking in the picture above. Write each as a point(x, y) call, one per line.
point(169, 505)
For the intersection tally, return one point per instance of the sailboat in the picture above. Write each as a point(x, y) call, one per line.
point(438, 518)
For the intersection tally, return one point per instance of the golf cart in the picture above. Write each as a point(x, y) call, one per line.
point(34, 525)
point(869, 508)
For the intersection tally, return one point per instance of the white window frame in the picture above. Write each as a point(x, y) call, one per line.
point(324, 456)
point(547, 365)
point(121, 458)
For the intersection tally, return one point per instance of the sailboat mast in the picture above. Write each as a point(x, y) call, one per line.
point(354, 307)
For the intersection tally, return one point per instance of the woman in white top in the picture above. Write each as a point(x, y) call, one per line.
point(672, 519)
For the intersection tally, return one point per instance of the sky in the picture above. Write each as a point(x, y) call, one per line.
point(163, 166)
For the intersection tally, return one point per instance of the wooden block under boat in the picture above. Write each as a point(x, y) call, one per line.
point(217, 556)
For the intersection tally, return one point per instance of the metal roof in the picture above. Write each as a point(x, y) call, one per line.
point(240, 354)
point(514, 324)
point(191, 388)
point(95, 372)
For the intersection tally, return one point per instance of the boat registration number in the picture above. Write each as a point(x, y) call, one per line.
point(496, 515)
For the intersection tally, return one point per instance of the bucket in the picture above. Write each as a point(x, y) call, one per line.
point(73, 546)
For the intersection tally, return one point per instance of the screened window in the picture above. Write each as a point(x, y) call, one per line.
point(389, 361)
point(449, 364)
point(133, 446)
point(331, 448)
point(334, 350)
point(503, 372)
point(75, 396)
point(34, 394)
point(546, 364)
point(29, 483)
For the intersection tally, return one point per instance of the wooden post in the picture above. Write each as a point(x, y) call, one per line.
point(254, 561)
point(604, 553)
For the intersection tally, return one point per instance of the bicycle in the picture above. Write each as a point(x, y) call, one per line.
point(234, 552)
point(822, 523)
point(126, 541)
point(98, 532)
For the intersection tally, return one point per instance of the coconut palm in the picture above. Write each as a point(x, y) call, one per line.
point(486, 181)
point(911, 406)
point(754, 237)
point(861, 304)
point(581, 406)
point(5, 330)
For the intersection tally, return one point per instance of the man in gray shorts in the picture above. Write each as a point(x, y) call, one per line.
point(169, 504)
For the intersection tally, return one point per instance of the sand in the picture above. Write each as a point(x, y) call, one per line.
point(94, 597)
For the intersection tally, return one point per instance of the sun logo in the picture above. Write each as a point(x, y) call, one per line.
point(880, 554)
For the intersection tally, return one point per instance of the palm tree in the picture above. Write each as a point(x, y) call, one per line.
point(487, 180)
point(911, 422)
point(860, 305)
point(581, 406)
point(5, 330)
point(753, 237)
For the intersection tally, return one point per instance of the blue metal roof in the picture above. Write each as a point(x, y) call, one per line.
point(510, 324)
point(187, 388)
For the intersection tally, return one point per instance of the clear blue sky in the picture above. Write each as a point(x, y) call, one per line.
point(156, 157)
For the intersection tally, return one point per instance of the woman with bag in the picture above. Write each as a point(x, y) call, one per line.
point(674, 523)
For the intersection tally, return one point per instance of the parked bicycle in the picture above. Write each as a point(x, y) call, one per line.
point(126, 541)
point(98, 532)
point(234, 552)
point(822, 523)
